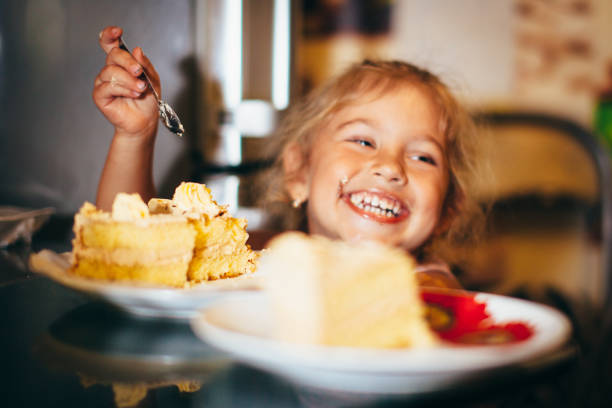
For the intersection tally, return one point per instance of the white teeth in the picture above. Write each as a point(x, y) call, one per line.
point(377, 205)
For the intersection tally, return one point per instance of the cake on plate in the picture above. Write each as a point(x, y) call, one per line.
point(131, 244)
point(176, 242)
point(220, 249)
point(343, 294)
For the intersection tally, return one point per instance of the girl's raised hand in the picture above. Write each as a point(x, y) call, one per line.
point(123, 98)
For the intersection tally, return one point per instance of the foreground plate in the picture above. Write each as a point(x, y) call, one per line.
point(144, 300)
point(243, 326)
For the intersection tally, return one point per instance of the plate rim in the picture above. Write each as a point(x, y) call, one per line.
point(141, 299)
point(217, 337)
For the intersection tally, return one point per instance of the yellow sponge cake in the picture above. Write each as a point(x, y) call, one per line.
point(343, 294)
point(169, 242)
point(130, 244)
point(220, 248)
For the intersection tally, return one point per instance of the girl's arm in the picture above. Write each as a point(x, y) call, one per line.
point(129, 105)
point(128, 168)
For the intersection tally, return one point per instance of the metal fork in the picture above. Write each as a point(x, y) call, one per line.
point(168, 116)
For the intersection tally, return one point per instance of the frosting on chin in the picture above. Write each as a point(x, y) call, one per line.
point(195, 198)
point(129, 207)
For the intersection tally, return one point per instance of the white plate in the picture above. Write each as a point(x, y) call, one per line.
point(144, 300)
point(243, 326)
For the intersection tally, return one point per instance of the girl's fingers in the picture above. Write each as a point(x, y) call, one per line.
point(117, 76)
point(105, 92)
point(134, 64)
point(123, 59)
point(108, 38)
point(142, 59)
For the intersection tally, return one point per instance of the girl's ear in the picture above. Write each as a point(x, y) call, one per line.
point(295, 167)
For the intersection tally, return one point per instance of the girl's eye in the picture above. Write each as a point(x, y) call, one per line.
point(425, 159)
point(362, 142)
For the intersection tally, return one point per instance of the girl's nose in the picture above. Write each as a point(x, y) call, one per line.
point(390, 169)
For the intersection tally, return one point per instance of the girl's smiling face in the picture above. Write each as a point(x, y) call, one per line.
point(378, 171)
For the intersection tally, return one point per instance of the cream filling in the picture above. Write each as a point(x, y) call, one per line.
point(83, 220)
point(129, 207)
point(195, 198)
point(161, 206)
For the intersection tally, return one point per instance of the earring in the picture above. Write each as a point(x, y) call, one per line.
point(297, 203)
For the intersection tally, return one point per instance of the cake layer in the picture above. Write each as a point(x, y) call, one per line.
point(384, 322)
point(171, 274)
point(134, 256)
point(154, 236)
point(213, 266)
point(222, 234)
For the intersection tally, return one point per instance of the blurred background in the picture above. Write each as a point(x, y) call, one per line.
point(230, 69)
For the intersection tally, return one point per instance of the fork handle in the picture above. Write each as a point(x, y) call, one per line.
point(143, 76)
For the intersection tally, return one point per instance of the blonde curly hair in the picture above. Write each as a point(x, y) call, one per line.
point(461, 215)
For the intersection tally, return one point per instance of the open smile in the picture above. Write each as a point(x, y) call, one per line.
point(376, 206)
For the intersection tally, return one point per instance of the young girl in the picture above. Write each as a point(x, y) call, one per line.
point(379, 153)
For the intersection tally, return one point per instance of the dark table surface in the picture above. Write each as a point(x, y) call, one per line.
point(62, 348)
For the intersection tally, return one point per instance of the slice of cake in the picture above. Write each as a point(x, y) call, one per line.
point(176, 242)
point(220, 249)
point(131, 244)
point(343, 294)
